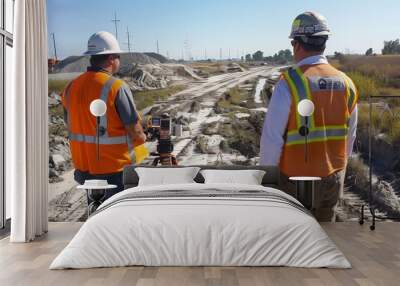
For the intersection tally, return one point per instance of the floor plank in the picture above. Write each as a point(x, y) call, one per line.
point(375, 257)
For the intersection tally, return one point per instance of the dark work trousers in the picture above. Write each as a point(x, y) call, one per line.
point(328, 195)
point(112, 179)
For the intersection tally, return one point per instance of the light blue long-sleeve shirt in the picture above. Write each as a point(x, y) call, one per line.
point(277, 117)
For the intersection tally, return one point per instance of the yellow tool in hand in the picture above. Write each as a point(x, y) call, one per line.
point(141, 153)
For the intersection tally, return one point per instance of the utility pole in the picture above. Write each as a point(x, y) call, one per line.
point(229, 53)
point(187, 48)
point(158, 49)
point(205, 54)
point(54, 45)
point(129, 39)
point(115, 20)
point(220, 53)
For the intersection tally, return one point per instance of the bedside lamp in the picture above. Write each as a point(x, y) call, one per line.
point(305, 108)
point(98, 108)
point(305, 185)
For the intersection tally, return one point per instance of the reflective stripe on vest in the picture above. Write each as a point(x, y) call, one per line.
point(102, 140)
point(318, 135)
point(299, 86)
point(103, 120)
point(300, 90)
point(105, 139)
point(351, 96)
point(104, 97)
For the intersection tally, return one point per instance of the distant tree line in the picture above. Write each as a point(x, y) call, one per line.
point(369, 52)
point(281, 57)
point(391, 47)
point(285, 56)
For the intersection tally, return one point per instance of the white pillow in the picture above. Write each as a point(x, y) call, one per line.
point(166, 176)
point(247, 177)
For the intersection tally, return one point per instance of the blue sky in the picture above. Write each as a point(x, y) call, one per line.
point(241, 26)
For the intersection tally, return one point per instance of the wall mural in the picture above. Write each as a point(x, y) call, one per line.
point(216, 104)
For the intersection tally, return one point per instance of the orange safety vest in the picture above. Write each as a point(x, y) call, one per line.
point(116, 147)
point(334, 97)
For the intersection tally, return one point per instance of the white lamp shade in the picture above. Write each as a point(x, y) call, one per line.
point(305, 107)
point(98, 107)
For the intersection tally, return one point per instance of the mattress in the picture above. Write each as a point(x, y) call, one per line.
point(201, 225)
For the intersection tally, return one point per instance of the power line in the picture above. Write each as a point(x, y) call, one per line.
point(115, 20)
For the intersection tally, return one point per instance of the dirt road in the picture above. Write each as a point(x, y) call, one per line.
point(205, 92)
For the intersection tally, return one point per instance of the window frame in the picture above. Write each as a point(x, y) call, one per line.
point(6, 39)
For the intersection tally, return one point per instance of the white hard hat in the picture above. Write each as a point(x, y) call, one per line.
point(310, 24)
point(102, 43)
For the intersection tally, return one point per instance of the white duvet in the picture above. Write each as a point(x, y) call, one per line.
point(183, 231)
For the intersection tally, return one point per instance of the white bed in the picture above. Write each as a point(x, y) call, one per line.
point(223, 225)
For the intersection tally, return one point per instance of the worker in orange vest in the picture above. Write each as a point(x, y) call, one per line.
point(121, 140)
point(332, 126)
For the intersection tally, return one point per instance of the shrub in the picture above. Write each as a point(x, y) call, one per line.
point(382, 122)
point(379, 66)
point(366, 86)
point(57, 85)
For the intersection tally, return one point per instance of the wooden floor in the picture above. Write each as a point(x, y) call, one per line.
point(375, 257)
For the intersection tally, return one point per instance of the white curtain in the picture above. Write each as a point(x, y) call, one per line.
point(27, 124)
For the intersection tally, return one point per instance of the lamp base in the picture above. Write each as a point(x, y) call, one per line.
point(305, 190)
point(97, 196)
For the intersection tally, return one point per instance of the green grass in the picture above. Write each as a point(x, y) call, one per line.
point(57, 110)
point(147, 98)
point(371, 86)
point(380, 66)
point(236, 96)
point(225, 104)
point(382, 122)
point(366, 86)
point(376, 75)
point(390, 125)
point(390, 91)
point(373, 75)
point(57, 85)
